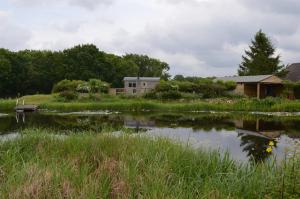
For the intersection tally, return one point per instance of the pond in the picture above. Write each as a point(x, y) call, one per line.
point(245, 136)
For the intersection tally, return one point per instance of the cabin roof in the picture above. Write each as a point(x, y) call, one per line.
point(245, 79)
point(142, 78)
point(293, 72)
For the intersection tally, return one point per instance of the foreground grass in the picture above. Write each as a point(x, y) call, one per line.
point(39, 165)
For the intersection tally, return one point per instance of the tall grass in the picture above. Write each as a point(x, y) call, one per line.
point(140, 104)
point(40, 165)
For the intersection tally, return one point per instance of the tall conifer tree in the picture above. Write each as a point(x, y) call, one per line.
point(260, 59)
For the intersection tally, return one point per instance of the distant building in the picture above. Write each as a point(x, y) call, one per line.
point(293, 72)
point(139, 85)
point(136, 86)
point(259, 86)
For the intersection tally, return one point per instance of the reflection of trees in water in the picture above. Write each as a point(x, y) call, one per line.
point(255, 147)
point(58, 122)
point(7, 124)
point(205, 122)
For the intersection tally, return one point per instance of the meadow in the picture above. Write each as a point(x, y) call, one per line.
point(44, 164)
point(115, 103)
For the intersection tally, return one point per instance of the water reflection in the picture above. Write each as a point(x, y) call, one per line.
point(20, 117)
point(246, 138)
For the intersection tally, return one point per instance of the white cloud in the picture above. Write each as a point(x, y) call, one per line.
point(88, 4)
point(196, 37)
point(12, 36)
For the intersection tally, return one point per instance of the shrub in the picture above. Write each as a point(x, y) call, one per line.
point(98, 86)
point(83, 88)
point(66, 85)
point(151, 95)
point(170, 95)
point(165, 86)
point(68, 95)
point(205, 87)
point(297, 90)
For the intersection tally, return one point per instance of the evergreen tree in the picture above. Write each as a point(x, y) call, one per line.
point(260, 59)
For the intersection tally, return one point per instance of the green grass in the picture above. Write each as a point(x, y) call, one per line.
point(46, 165)
point(7, 104)
point(114, 103)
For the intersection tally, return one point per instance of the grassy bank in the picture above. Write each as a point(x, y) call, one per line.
point(92, 166)
point(139, 104)
point(7, 104)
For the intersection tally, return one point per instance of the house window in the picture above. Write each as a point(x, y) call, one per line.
point(134, 91)
point(144, 84)
point(131, 84)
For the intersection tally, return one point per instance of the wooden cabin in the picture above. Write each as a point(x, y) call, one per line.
point(259, 86)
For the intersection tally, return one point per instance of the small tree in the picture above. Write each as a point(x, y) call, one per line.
point(261, 59)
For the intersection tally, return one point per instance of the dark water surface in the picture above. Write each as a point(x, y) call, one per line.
point(246, 137)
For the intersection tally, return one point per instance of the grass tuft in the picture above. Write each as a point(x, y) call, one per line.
point(41, 164)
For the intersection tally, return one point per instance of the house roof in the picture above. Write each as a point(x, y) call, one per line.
point(293, 72)
point(142, 78)
point(245, 79)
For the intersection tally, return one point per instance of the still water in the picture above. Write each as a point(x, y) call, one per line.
point(246, 137)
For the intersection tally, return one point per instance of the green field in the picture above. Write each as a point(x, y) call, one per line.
point(106, 102)
point(42, 164)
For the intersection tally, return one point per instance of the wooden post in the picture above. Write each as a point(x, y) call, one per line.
point(258, 90)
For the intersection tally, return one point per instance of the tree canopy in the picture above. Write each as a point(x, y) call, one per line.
point(35, 71)
point(260, 59)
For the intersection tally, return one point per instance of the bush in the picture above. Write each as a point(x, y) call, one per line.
point(93, 86)
point(165, 86)
point(98, 86)
point(66, 85)
point(68, 95)
point(297, 91)
point(171, 95)
point(151, 95)
point(83, 88)
point(204, 87)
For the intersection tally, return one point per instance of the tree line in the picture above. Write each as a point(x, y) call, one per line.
point(36, 71)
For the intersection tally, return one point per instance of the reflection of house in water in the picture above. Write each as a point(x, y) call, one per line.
point(137, 123)
point(264, 129)
point(255, 137)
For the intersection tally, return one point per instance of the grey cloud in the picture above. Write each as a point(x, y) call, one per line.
point(90, 4)
point(197, 37)
point(12, 36)
point(277, 6)
point(87, 4)
point(208, 42)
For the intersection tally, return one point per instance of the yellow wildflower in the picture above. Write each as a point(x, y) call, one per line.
point(271, 143)
point(269, 149)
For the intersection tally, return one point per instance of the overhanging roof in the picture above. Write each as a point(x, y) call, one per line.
point(142, 78)
point(245, 79)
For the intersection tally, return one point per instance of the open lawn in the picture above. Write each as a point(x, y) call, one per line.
point(114, 103)
point(42, 164)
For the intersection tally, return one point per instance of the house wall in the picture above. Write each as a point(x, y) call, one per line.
point(141, 87)
point(250, 90)
point(239, 89)
point(273, 79)
point(276, 90)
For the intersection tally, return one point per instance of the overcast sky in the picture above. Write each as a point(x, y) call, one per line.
point(196, 37)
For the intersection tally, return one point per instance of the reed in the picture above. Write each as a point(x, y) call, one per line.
point(44, 164)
